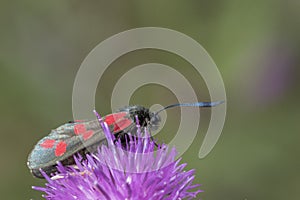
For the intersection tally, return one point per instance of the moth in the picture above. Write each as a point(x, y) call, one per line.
point(85, 136)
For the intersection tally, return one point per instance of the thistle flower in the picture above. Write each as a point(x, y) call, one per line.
point(132, 171)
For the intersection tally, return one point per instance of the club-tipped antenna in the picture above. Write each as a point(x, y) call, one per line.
point(196, 104)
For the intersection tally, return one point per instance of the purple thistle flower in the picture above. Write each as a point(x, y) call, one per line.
point(117, 171)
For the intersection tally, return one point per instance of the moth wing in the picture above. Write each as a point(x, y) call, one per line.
point(64, 141)
point(118, 122)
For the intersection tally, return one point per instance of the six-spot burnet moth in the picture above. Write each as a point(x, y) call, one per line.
point(83, 137)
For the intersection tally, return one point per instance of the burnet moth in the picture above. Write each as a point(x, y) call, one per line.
point(83, 137)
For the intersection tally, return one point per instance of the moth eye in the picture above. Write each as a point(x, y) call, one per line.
point(71, 122)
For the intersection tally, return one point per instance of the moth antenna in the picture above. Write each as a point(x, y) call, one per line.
point(196, 104)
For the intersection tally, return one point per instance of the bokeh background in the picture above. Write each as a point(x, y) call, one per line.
point(255, 44)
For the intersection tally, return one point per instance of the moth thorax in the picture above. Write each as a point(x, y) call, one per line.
point(142, 113)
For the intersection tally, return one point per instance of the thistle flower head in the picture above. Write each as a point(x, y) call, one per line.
point(136, 171)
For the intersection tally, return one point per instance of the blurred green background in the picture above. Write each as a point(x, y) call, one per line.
point(255, 44)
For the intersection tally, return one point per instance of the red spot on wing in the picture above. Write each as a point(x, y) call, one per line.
point(112, 118)
point(87, 134)
point(47, 144)
point(121, 125)
point(60, 149)
point(79, 129)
